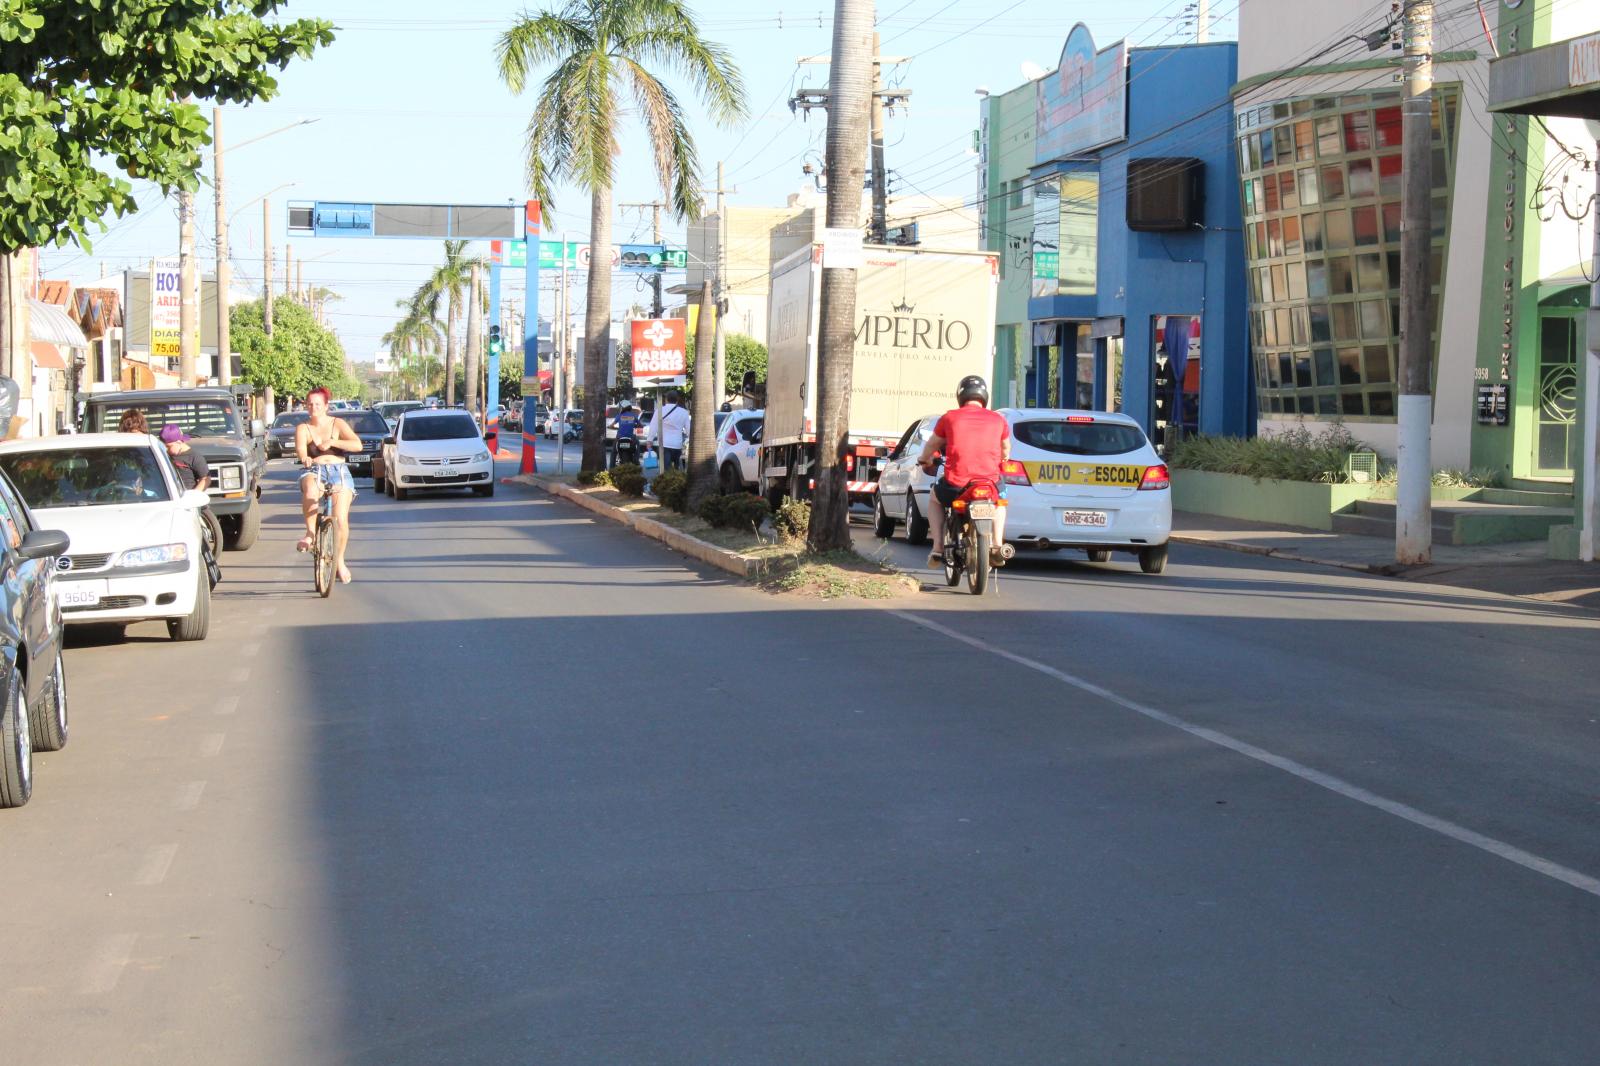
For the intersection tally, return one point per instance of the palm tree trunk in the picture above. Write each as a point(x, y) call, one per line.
point(702, 407)
point(849, 99)
point(474, 327)
point(450, 351)
point(597, 332)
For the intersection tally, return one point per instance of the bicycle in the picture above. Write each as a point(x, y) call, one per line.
point(322, 545)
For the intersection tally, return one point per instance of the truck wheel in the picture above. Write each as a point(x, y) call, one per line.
point(16, 744)
point(882, 524)
point(198, 622)
point(48, 718)
point(248, 529)
point(916, 525)
point(1153, 560)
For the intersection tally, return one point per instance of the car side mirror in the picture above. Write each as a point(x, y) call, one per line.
point(389, 439)
point(196, 498)
point(257, 427)
point(43, 543)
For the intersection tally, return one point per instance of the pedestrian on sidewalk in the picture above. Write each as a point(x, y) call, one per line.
point(669, 430)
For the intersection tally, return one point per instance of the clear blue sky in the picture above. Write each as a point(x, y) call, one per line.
point(408, 107)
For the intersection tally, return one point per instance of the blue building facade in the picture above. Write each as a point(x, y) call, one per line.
point(1138, 295)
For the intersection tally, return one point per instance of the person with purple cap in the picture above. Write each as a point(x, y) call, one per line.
point(191, 466)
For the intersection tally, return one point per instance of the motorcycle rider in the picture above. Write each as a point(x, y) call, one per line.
point(974, 441)
point(627, 426)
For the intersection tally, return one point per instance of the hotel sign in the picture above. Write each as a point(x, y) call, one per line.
point(1083, 103)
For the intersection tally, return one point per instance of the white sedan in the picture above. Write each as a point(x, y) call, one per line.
point(1088, 480)
point(135, 533)
point(437, 448)
point(738, 441)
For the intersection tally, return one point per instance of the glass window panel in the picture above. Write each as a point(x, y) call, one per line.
point(1326, 404)
point(1303, 403)
point(1375, 360)
point(1302, 370)
point(1274, 238)
point(1286, 190)
point(1333, 183)
point(1369, 273)
point(1352, 402)
point(1252, 249)
point(1336, 230)
point(1365, 223)
point(1328, 136)
point(1374, 324)
point(1441, 217)
point(1393, 260)
point(1380, 404)
point(1255, 286)
point(1357, 131)
point(1297, 280)
point(1391, 223)
point(1362, 184)
point(1291, 236)
point(1282, 325)
point(1340, 280)
point(1308, 187)
point(1280, 285)
point(1389, 175)
point(1283, 143)
point(1261, 199)
point(1344, 322)
point(1261, 238)
point(1316, 280)
point(1311, 232)
point(1349, 366)
point(1435, 267)
point(1272, 193)
point(1266, 284)
point(1301, 107)
point(1264, 139)
point(1249, 197)
point(1321, 327)
point(1286, 369)
point(1269, 329)
point(1323, 103)
point(1244, 158)
point(1080, 232)
point(1394, 317)
point(1323, 360)
point(1301, 333)
point(1440, 170)
point(1269, 370)
point(1304, 146)
point(1387, 127)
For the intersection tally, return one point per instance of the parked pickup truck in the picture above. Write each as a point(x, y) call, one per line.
point(233, 446)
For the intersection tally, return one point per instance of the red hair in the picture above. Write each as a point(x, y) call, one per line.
point(327, 397)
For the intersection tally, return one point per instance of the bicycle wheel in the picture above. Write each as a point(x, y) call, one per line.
point(978, 561)
point(324, 557)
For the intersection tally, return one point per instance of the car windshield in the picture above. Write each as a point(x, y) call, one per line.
point(369, 422)
point(441, 427)
point(198, 418)
point(289, 421)
point(1066, 437)
point(87, 477)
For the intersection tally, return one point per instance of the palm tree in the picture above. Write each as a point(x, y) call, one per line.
point(415, 336)
point(448, 283)
point(602, 50)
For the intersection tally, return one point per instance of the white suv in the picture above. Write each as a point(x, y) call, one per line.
point(738, 442)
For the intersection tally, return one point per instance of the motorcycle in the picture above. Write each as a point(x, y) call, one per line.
point(626, 450)
point(969, 535)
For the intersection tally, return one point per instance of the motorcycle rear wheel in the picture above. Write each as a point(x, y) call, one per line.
point(978, 561)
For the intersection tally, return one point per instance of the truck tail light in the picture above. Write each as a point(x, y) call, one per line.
point(1013, 472)
point(849, 464)
point(1155, 477)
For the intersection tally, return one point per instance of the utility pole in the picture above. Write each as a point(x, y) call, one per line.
point(880, 178)
point(1414, 505)
point(188, 293)
point(224, 268)
point(849, 104)
point(300, 281)
point(288, 269)
point(1202, 21)
point(266, 266)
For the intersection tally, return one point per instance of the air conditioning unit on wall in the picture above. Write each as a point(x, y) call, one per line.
point(1166, 194)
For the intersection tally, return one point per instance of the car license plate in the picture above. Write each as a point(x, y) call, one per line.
point(982, 509)
point(77, 597)
point(441, 473)
point(1085, 518)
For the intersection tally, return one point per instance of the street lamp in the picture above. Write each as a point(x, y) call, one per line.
point(257, 199)
point(224, 365)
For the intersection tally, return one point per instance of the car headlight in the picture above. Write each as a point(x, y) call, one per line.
point(231, 479)
point(153, 555)
point(408, 460)
point(481, 457)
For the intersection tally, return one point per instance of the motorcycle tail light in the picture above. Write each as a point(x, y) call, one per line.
point(1014, 473)
point(1155, 477)
point(982, 492)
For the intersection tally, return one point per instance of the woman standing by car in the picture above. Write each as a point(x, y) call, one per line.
point(318, 442)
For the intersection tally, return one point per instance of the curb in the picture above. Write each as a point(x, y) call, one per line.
point(676, 539)
point(1379, 570)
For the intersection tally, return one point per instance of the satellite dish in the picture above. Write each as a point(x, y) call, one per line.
point(1032, 71)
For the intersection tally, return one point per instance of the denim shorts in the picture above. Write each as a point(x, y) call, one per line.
point(335, 477)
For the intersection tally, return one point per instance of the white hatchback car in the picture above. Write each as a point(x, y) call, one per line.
point(1088, 480)
point(738, 441)
point(437, 448)
point(135, 533)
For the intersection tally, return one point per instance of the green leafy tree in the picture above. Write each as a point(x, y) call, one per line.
point(299, 356)
point(88, 85)
point(744, 353)
point(604, 53)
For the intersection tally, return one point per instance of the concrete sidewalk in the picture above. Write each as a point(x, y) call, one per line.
point(1518, 569)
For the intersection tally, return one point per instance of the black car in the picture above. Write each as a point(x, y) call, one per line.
point(280, 435)
point(33, 702)
point(231, 444)
point(371, 428)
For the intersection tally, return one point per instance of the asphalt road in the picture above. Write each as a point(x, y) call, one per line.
point(532, 790)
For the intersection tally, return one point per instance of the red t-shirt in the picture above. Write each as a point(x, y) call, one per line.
point(973, 439)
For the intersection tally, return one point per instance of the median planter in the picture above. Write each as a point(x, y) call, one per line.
point(1307, 504)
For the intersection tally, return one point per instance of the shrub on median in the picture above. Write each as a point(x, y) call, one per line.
point(741, 512)
point(628, 479)
point(792, 520)
point(601, 478)
point(672, 489)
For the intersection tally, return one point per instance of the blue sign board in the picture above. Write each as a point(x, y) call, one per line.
point(341, 220)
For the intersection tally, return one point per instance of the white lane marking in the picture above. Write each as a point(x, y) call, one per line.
point(157, 861)
point(250, 650)
point(1499, 848)
point(189, 795)
point(105, 969)
point(228, 705)
point(211, 745)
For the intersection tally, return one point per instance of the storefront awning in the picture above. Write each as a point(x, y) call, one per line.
point(47, 355)
point(49, 323)
point(1557, 79)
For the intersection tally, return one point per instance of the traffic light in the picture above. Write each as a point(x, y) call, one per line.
point(495, 347)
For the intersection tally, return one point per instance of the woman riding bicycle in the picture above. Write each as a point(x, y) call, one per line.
point(317, 442)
